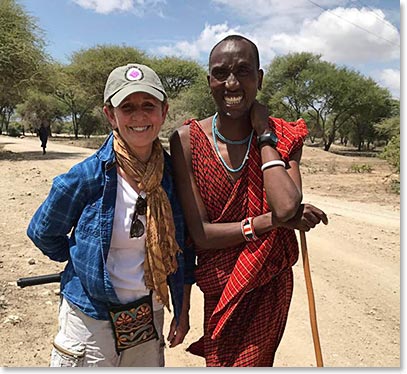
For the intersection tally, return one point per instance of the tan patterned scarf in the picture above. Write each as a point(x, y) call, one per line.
point(161, 245)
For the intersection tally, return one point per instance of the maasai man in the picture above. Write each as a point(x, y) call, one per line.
point(238, 179)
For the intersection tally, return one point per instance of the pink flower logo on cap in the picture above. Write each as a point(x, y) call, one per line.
point(134, 74)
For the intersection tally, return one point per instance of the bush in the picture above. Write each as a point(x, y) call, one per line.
point(395, 186)
point(14, 130)
point(391, 152)
point(57, 127)
point(356, 168)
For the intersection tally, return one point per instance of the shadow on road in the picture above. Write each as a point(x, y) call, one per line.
point(4, 144)
point(50, 155)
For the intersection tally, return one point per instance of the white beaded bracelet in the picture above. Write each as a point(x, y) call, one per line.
point(272, 163)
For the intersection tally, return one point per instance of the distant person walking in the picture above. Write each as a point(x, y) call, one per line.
point(43, 134)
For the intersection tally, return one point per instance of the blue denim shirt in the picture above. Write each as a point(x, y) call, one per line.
point(75, 224)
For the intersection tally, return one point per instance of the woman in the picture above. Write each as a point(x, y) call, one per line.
point(115, 219)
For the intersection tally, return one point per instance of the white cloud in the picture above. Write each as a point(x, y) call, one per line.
point(390, 78)
point(343, 36)
point(138, 7)
point(205, 41)
point(199, 49)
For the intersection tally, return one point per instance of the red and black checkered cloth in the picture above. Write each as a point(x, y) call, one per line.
point(247, 289)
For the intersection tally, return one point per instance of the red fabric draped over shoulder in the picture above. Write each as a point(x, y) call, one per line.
point(227, 276)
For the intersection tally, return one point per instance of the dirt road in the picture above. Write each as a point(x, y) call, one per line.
point(355, 263)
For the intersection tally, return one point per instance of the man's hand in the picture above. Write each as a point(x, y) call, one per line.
point(306, 218)
point(259, 116)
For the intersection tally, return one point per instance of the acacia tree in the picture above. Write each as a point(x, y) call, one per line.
point(176, 74)
point(81, 83)
point(339, 87)
point(391, 152)
point(91, 67)
point(372, 105)
point(324, 91)
point(69, 92)
point(336, 100)
point(37, 108)
point(301, 85)
point(341, 99)
point(196, 101)
point(389, 127)
point(286, 84)
point(21, 57)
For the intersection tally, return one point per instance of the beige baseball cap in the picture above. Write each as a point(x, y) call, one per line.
point(125, 80)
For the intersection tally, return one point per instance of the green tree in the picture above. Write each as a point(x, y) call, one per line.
point(90, 124)
point(391, 152)
point(21, 57)
point(177, 74)
point(70, 93)
point(38, 108)
point(80, 84)
point(371, 105)
point(301, 85)
point(91, 67)
point(335, 101)
point(389, 127)
point(286, 84)
point(198, 99)
point(325, 89)
point(389, 130)
point(194, 102)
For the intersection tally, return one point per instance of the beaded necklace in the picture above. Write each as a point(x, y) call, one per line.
point(228, 141)
point(215, 133)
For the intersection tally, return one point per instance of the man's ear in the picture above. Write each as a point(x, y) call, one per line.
point(260, 79)
point(208, 78)
point(109, 113)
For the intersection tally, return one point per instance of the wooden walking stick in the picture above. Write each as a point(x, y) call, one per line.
point(311, 300)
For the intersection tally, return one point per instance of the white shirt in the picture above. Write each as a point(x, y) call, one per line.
point(125, 260)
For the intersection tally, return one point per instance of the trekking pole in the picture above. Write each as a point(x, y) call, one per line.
point(311, 300)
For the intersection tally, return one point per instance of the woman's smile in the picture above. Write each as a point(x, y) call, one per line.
point(139, 128)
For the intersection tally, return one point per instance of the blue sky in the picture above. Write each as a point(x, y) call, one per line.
point(363, 35)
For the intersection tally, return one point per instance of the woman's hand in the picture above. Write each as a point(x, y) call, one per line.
point(177, 333)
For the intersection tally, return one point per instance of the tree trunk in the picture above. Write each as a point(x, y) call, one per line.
point(331, 139)
point(5, 113)
point(327, 145)
point(75, 126)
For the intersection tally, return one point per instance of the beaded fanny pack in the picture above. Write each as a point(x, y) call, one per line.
point(133, 323)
